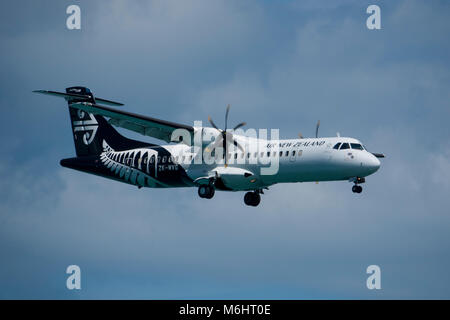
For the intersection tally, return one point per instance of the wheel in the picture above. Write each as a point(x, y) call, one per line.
point(256, 199)
point(359, 189)
point(252, 199)
point(248, 198)
point(354, 189)
point(210, 192)
point(202, 191)
point(206, 192)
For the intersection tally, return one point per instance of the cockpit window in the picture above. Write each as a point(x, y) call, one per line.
point(356, 146)
point(345, 146)
point(336, 146)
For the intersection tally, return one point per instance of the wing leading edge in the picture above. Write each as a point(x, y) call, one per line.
point(147, 126)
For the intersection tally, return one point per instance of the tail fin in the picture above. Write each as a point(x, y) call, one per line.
point(90, 130)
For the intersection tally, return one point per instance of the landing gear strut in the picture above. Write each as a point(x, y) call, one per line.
point(357, 181)
point(252, 198)
point(206, 191)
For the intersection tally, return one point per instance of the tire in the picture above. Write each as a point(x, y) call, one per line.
point(248, 198)
point(202, 191)
point(252, 199)
point(256, 199)
point(210, 192)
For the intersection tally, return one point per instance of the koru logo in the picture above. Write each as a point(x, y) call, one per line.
point(89, 126)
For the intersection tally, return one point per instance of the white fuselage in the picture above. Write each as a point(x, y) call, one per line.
point(294, 160)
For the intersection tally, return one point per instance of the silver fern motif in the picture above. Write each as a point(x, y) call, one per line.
point(138, 176)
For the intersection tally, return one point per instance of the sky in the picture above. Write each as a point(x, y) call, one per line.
point(280, 64)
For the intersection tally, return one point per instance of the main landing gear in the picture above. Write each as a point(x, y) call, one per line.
point(356, 187)
point(206, 191)
point(252, 198)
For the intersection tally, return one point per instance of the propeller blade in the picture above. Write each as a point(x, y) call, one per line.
point(225, 137)
point(226, 117)
point(237, 144)
point(239, 125)
point(224, 145)
point(212, 123)
point(216, 143)
point(317, 128)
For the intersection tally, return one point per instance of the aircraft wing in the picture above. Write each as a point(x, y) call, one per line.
point(152, 127)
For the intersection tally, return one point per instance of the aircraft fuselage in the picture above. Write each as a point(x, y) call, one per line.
point(299, 160)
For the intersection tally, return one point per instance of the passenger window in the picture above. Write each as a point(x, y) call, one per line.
point(293, 153)
point(336, 146)
point(287, 153)
point(235, 155)
point(268, 153)
point(281, 153)
point(262, 154)
point(299, 153)
point(345, 146)
point(356, 146)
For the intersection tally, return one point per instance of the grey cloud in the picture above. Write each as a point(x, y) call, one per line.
point(280, 66)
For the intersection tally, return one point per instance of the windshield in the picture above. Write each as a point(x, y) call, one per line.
point(356, 146)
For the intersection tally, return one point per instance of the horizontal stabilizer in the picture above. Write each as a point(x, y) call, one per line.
point(75, 96)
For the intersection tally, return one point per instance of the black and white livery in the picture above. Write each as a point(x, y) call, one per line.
point(207, 158)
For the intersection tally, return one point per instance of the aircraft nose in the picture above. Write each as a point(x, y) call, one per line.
point(372, 163)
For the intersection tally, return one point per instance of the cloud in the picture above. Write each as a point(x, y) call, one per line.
point(280, 66)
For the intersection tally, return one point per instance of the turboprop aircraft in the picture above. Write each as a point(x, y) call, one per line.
point(207, 158)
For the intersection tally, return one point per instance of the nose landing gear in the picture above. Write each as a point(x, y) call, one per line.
point(252, 198)
point(206, 191)
point(357, 180)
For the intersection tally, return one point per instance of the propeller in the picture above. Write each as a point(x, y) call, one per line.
point(226, 137)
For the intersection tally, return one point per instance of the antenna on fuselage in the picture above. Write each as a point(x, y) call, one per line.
point(300, 136)
point(338, 134)
point(317, 128)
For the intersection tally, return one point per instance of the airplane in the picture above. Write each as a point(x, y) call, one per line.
point(219, 159)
